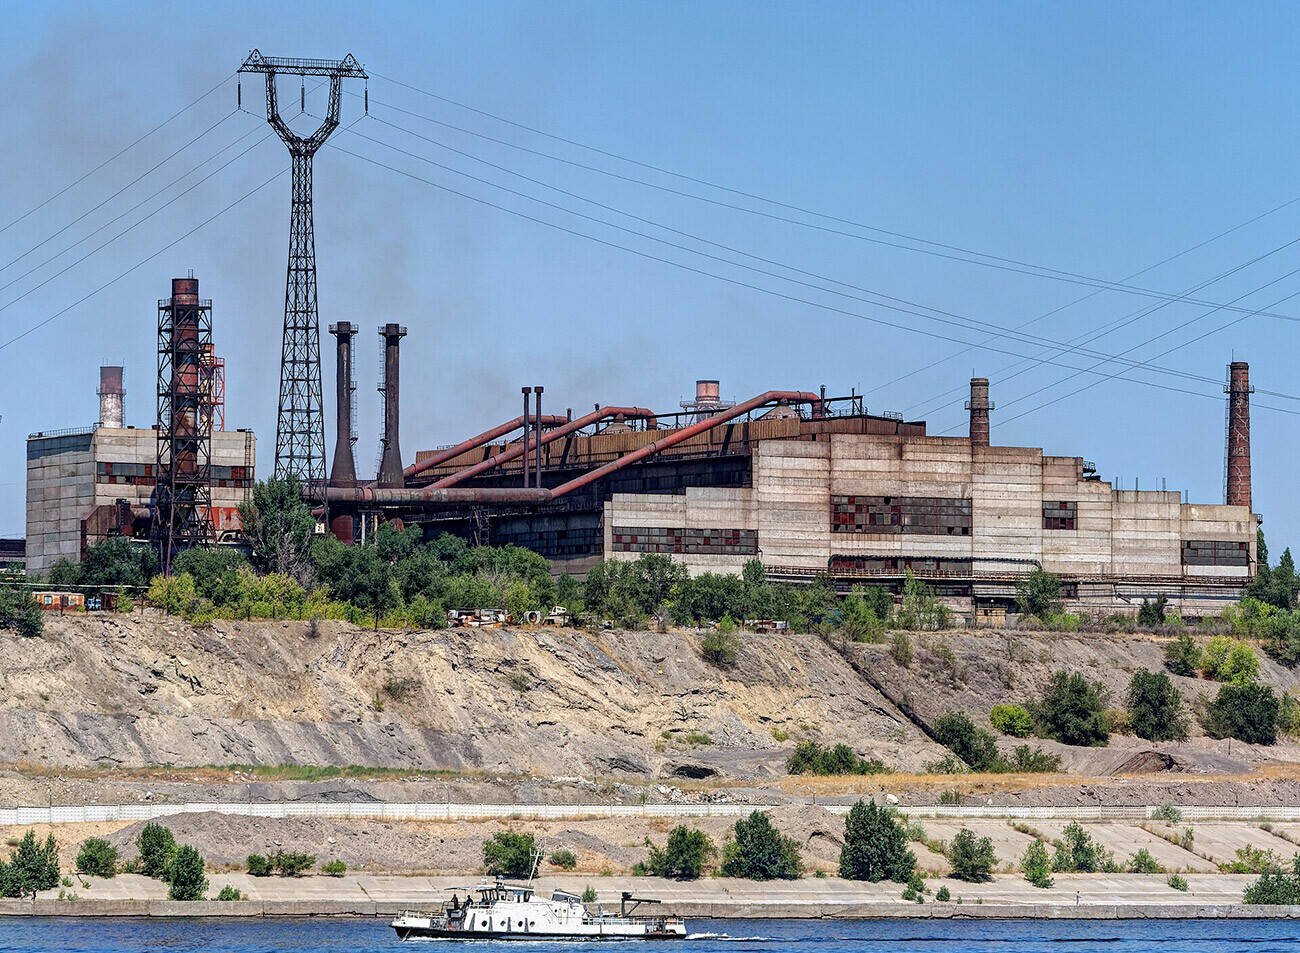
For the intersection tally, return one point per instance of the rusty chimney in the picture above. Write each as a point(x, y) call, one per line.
point(526, 391)
point(1237, 491)
point(112, 398)
point(343, 471)
point(390, 467)
point(979, 406)
point(537, 416)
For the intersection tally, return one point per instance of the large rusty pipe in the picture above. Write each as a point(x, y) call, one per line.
point(537, 415)
point(722, 417)
point(563, 430)
point(487, 436)
point(408, 496)
point(524, 442)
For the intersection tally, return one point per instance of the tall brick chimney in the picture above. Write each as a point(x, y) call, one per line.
point(979, 406)
point(1238, 476)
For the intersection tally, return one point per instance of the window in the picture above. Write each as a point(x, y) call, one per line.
point(923, 515)
point(1062, 515)
point(1215, 552)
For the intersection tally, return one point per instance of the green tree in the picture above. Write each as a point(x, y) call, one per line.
point(971, 857)
point(508, 854)
point(98, 857)
point(1035, 864)
point(721, 646)
point(185, 876)
point(64, 572)
point(1246, 712)
point(278, 526)
point(1038, 594)
point(858, 620)
point(1077, 852)
point(1182, 656)
point(1073, 711)
point(32, 866)
point(1152, 613)
point(214, 569)
point(1143, 863)
point(1013, 720)
point(758, 851)
point(920, 608)
point(1155, 707)
point(977, 747)
point(19, 612)
point(684, 856)
point(157, 849)
point(117, 561)
point(1276, 886)
point(875, 845)
point(1229, 660)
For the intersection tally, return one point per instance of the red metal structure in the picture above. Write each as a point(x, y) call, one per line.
point(212, 371)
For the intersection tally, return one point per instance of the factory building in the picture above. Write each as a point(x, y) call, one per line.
point(86, 484)
point(811, 486)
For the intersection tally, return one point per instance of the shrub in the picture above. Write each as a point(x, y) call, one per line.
point(564, 859)
point(1152, 614)
point(335, 868)
point(720, 647)
point(1167, 813)
point(1155, 707)
point(20, 613)
point(1246, 712)
point(975, 746)
point(291, 864)
point(259, 866)
point(900, 648)
point(1182, 657)
point(1013, 720)
point(508, 854)
point(859, 615)
point(943, 895)
point(185, 875)
point(157, 849)
point(589, 894)
point(229, 893)
point(1072, 711)
point(685, 855)
point(98, 857)
point(1025, 761)
point(1275, 886)
point(1035, 864)
point(810, 757)
point(920, 608)
point(875, 845)
point(1077, 852)
point(31, 867)
point(758, 851)
point(972, 857)
point(1143, 863)
point(1229, 660)
point(1177, 881)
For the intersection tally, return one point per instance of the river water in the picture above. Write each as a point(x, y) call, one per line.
point(136, 935)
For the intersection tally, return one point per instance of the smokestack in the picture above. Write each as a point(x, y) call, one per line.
point(538, 417)
point(390, 467)
point(979, 406)
point(343, 471)
point(1239, 391)
point(526, 391)
point(112, 398)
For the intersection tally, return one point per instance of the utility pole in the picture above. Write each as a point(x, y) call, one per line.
point(300, 426)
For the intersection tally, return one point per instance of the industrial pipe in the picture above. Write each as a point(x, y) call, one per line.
point(524, 442)
point(487, 436)
point(537, 415)
point(699, 427)
point(399, 496)
point(563, 430)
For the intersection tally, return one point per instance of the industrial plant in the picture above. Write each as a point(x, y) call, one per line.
point(809, 484)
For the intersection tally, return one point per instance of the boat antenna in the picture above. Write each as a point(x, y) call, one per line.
point(536, 862)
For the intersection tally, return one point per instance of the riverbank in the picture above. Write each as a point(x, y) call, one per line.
point(1074, 896)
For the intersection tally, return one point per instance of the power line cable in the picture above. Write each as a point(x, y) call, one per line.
point(959, 320)
point(689, 268)
point(142, 175)
point(138, 204)
point(997, 261)
point(117, 155)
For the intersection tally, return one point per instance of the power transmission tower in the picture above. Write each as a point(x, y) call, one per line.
point(300, 426)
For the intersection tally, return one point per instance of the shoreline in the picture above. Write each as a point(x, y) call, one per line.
point(1007, 896)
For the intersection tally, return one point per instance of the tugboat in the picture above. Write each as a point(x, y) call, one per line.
point(514, 912)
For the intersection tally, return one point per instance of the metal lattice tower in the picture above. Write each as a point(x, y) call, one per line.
point(300, 426)
point(183, 503)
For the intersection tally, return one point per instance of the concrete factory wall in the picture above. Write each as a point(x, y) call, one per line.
point(68, 476)
point(956, 513)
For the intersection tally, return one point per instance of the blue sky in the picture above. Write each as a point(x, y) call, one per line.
point(1094, 139)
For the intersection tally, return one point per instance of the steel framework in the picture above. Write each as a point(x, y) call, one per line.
point(300, 425)
point(183, 501)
